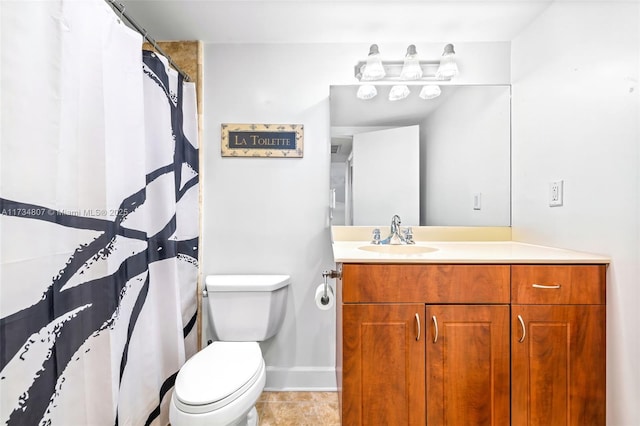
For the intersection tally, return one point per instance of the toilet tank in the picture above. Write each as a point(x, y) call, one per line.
point(246, 308)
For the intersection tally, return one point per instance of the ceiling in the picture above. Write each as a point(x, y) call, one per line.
point(327, 21)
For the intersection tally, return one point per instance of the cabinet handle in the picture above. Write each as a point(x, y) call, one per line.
point(418, 324)
point(435, 327)
point(555, 286)
point(524, 329)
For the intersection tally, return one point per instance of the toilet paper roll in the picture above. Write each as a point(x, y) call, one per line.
point(320, 293)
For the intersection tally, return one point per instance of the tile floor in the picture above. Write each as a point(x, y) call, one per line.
point(298, 409)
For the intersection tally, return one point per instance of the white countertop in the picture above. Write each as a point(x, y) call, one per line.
point(349, 251)
point(466, 252)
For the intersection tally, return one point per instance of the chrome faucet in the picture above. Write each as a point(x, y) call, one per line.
point(397, 235)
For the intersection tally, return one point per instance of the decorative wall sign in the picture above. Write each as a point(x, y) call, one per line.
point(262, 140)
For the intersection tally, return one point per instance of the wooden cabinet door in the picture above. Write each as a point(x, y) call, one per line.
point(383, 364)
point(558, 365)
point(467, 365)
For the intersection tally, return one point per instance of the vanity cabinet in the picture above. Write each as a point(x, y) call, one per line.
point(412, 331)
point(467, 365)
point(558, 345)
point(384, 364)
point(470, 344)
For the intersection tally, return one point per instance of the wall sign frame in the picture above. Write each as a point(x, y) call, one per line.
point(262, 140)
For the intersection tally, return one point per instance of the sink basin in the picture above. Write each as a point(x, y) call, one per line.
point(397, 249)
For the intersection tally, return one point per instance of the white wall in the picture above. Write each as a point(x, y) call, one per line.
point(575, 117)
point(271, 215)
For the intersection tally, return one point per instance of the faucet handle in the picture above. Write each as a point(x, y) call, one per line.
point(408, 235)
point(376, 236)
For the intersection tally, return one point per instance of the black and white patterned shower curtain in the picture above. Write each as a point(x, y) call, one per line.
point(98, 219)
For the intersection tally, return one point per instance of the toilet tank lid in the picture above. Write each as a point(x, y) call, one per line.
point(246, 282)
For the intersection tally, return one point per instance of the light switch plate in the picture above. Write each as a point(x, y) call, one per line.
point(477, 201)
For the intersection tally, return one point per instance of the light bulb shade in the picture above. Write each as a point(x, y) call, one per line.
point(373, 70)
point(448, 67)
point(398, 92)
point(367, 91)
point(430, 91)
point(411, 69)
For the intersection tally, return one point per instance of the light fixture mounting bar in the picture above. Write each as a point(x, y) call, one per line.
point(393, 68)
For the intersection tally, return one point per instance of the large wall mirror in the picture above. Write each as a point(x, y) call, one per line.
point(441, 162)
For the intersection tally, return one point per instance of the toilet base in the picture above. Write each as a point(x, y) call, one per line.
point(252, 417)
point(249, 419)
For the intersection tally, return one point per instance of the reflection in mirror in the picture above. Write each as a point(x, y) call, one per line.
point(441, 162)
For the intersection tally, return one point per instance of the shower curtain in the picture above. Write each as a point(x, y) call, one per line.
point(98, 219)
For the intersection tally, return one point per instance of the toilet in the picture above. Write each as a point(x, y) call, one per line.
point(221, 384)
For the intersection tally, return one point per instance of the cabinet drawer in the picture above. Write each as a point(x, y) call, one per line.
point(391, 283)
point(552, 284)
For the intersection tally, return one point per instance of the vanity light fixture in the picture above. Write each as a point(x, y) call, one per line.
point(448, 67)
point(411, 70)
point(399, 92)
point(373, 69)
point(367, 91)
point(430, 91)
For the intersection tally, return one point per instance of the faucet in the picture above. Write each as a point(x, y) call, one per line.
point(397, 235)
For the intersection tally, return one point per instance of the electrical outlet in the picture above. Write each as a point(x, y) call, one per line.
point(555, 193)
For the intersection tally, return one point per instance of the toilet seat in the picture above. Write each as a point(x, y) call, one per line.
point(217, 376)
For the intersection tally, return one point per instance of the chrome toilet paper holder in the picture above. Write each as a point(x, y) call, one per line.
point(326, 274)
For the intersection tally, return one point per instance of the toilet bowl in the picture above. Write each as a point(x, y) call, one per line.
point(220, 384)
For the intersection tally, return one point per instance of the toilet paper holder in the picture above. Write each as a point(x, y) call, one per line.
point(326, 274)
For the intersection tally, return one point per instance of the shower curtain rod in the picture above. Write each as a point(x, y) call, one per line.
point(120, 8)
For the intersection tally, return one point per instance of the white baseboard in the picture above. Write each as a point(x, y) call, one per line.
point(319, 379)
